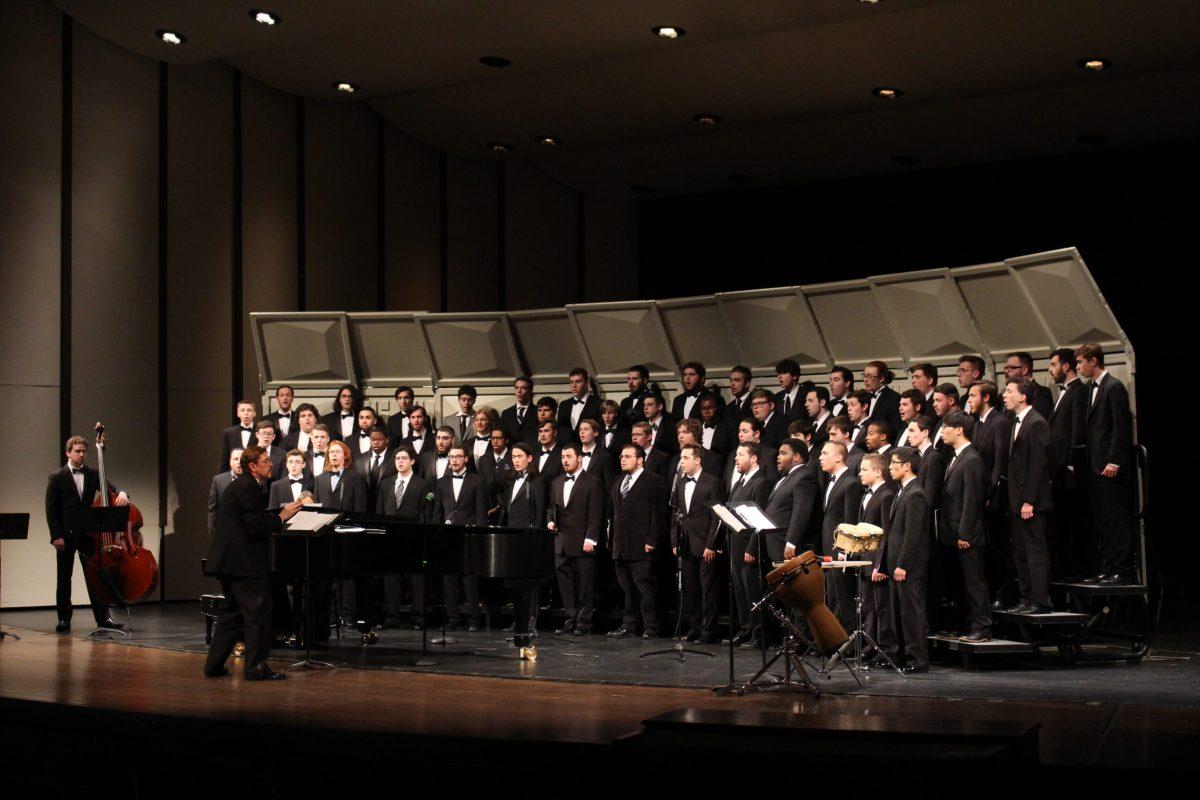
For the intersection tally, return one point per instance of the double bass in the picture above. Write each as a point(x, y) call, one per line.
point(121, 571)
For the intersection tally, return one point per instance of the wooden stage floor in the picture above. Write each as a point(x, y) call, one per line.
point(61, 676)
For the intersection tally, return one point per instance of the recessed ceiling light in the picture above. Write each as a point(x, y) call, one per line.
point(742, 178)
point(495, 61)
point(1092, 139)
point(707, 119)
point(503, 148)
point(1093, 64)
point(869, 2)
point(345, 87)
point(638, 188)
point(170, 37)
point(906, 161)
point(264, 17)
point(549, 141)
point(668, 31)
point(887, 92)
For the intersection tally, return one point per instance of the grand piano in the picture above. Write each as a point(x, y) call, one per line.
point(363, 545)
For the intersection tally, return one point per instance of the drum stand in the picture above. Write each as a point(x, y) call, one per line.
point(856, 642)
point(791, 658)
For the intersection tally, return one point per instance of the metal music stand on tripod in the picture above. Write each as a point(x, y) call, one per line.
point(13, 527)
point(95, 520)
point(308, 608)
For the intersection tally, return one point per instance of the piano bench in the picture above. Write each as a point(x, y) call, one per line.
point(211, 606)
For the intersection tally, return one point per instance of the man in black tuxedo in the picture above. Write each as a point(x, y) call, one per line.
point(407, 496)
point(70, 492)
point(750, 430)
point(520, 419)
point(462, 421)
point(495, 465)
point(575, 512)
point(943, 576)
point(344, 417)
point(397, 424)
point(816, 405)
point(220, 483)
point(774, 425)
point(687, 403)
point(843, 494)
point(638, 524)
point(319, 454)
point(283, 417)
point(1072, 542)
point(240, 435)
point(596, 460)
point(1020, 365)
point(924, 378)
point(905, 558)
point(791, 504)
point(694, 528)
point(946, 400)
point(614, 430)
point(1110, 465)
point(548, 455)
point(655, 460)
point(841, 384)
point(662, 424)
point(912, 405)
point(718, 432)
point(789, 400)
point(688, 431)
point(971, 368)
point(748, 484)
point(738, 407)
point(991, 438)
point(295, 482)
point(300, 437)
point(1029, 497)
point(858, 411)
point(961, 524)
point(264, 437)
point(237, 556)
point(638, 381)
point(582, 404)
point(840, 431)
point(547, 411)
point(433, 463)
point(420, 435)
point(340, 486)
point(874, 509)
point(885, 401)
point(522, 499)
point(376, 464)
point(360, 439)
point(461, 500)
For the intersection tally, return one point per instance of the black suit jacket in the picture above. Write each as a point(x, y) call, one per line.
point(280, 493)
point(333, 420)
point(240, 538)
point(756, 490)
point(582, 518)
point(681, 400)
point(639, 518)
point(220, 483)
point(231, 439)
point(658, 462)
point(724, 438)
point(1110, 428)
point(387, 466)
point(620, 437)
point(797, 409)
point(841, 504)
point(292, 442)
point(493, 472)
point(526, 431)
point(775, 431)
point(1068, 426)
point(790, 505)
point(350, 495)
point(1029, 465)
point(768, 465)
point(527, 509)
point(470, 508)
point(276, 416)
point(931, 472)
point(877, 512)
point(710, 462)
point(736, 410)
point(600, 464)
point(426, 438)
point(964, 492)
point(887, 408)
point(666, 439)
point(991, 440)
point(698, 524)
point(631, 407)
point(552, 467)
point(1043, 400)
point(591, 410)
point(906, 534)
point(413, 506)
point(821, 434)
point(66, 511)
point(395, 427)
point(427, 465)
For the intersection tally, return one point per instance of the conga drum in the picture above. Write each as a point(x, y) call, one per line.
point(799, 583)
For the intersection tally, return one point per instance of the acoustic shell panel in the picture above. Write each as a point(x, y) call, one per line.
point(547, 343)
point(617, 335)
point(1002, 312)
point(470, 347)
point(700, 331)
point(774, 324)
point(929, 315)
point(304, 350)
point(854, 323)
point(1068, 302)
point(389, 348)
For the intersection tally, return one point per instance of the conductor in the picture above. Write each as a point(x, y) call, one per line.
point(238, 557)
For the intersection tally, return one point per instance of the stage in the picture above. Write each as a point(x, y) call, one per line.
point(583, 696)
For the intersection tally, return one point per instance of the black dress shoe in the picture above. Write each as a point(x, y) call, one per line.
point(1116, 579)
point(751, 643)
point(1022, 608)
point(473, 626)
point(220, 674)
point(565, 630)
point(619, 633)
point(709, 638)
point(581, 631)
point(110, 625)
point(62, 627)
point(909, 669)
point(1095, 579)
point(975, 637)
point(999, 605)
point(651, 633)
point(1035, 608)
point(265, 675)
point(691, 636)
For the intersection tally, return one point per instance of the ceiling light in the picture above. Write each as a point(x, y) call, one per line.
point(495, 61)
point(906, 161)
point(501, 148)
point(1093, 64)
point(264, 17)
point(638, 188)
point(549, 141)
point(869, 2)
point(707, 119)
point(345, 87)
point(170, 37)
point(668, 32)
point(887, 92)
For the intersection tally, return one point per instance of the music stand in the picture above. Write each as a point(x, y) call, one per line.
point(308, 528)
point(13, 527)
point(103, 519)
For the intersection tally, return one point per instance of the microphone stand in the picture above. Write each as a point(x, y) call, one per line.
point(732, 686)
point(677, 648)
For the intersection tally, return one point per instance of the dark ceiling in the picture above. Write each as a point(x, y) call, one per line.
point(983, 80)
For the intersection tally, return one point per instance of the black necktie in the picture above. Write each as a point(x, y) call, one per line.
point(787, 404)
point(737, 484)
point(520, 416)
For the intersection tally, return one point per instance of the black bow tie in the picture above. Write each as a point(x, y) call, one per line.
point(570, 478)
point(579, 402)
point(443, 455)
point(521, 476)
point(296, 480)
point(688, 479)
point(459, 477)
point(248, 430)
point(75, 471)
point(869, 492)
point(336, 474)
point(282, 415)
point(712, 425)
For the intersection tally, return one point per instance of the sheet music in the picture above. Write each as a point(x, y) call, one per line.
point(754, 517)
point(729, 518)
point(309, 521)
